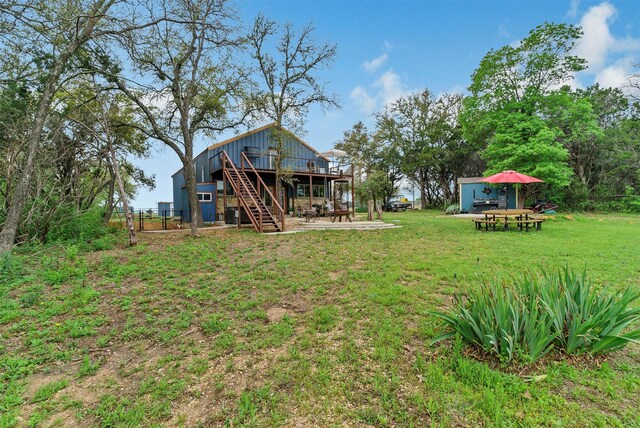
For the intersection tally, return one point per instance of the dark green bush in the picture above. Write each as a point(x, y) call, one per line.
point(71, 225)
point(541, 312)
point(10, 267)
point(452, 209)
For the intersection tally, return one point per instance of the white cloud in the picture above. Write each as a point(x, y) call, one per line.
point(385, 90)
point(375, 64)
point(615, 75)
point(455, 89)
point(609, 58)
point(390, 86)
point(597, 42)
point(159, 100)
point(363, 100)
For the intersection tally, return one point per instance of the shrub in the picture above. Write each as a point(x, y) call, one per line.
point(72, 226)
point(10, 267)
point(541, 312)
point(452, 209)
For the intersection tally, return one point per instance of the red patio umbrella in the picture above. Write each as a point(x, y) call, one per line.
point(511, 177)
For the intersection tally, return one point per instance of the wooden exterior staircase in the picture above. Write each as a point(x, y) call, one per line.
point(249, 197)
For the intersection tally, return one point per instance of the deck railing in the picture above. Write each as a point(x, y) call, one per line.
point(261, 184)
point(240, 184)
point(237, 187)
point(297, 165)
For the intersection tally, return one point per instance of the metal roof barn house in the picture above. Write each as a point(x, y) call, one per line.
point(236, 180)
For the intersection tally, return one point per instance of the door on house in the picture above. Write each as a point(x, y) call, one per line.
point(268, 201)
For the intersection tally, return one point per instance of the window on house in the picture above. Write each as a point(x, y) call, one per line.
point(318, 191)
point(252, 152)
point(220, 188)
point(205, 197)
point(303, 190)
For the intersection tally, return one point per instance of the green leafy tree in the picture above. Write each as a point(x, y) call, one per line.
point(427, 134)
point(363, 152)
point(511, 108)
point(524, 142)
point(45, 45)
point(538, 64)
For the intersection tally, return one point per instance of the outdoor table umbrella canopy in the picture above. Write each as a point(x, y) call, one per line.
point(511, 177)
point(334, 153)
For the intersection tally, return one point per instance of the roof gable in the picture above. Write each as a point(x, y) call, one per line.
point(255, 131)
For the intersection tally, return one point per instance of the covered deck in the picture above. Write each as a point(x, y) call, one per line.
point(317, 184)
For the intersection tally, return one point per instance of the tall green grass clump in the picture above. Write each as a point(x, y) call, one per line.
point(552, 310)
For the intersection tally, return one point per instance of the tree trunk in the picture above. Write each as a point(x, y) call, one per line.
point(423, 195)
point(110, 201)
point(522, 195)
point(133, 238)
point(192, 195)
point(370, 210)
point(422, 184)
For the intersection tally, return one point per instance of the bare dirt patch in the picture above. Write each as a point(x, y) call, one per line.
point(276, 314)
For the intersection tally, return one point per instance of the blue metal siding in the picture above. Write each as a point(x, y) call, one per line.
point(296, 153)
point(467, 195)
point(178, 183)
point(208, 208)
point(202, 167)
point(184, 201)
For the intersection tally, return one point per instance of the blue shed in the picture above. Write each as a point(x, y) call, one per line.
point(164, 207)
point(476, 196)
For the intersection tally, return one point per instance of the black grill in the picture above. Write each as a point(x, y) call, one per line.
point(480, 205)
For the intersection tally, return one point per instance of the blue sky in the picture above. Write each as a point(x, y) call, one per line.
point(387, 49)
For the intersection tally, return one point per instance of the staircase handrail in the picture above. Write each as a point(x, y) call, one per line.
point(258, 225)
point(275, 201)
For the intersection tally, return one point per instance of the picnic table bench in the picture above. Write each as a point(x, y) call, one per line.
point(519, 217)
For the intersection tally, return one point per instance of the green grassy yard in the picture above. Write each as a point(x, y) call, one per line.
point(312, 329)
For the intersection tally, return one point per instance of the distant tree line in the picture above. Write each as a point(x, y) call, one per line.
point(521, 113)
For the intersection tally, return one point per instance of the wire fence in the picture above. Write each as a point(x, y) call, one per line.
point(153, 219)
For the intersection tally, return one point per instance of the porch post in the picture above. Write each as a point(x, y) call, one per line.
point(294, 192)
point(224, 197)
point(310, 191)
point(353, 193)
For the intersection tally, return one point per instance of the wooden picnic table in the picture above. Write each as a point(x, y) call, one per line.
point(507, 213)
point(338, 213)
point(518, 216)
